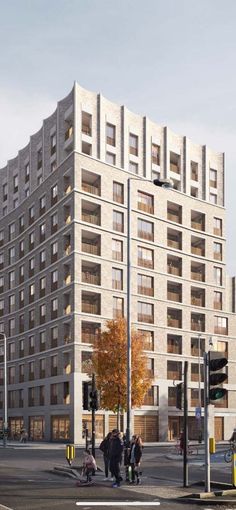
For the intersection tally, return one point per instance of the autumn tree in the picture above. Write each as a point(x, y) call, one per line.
point(109, 363)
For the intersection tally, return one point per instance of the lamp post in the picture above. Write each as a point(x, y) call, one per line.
point(199, 390)
point(162, 183)
point(5, 426)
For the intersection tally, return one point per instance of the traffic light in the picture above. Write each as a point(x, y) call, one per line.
point(86, 392)
point(215, 377)
point(94, 400)
point(179, 395)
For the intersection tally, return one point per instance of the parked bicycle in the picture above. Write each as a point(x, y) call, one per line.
point(229, 453)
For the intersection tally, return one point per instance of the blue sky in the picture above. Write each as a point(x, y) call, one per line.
point(172, 60)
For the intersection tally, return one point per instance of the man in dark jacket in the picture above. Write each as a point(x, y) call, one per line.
point(116, 449)
point(105, 448)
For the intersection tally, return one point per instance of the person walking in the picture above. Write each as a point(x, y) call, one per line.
point(116, 449)
point(136, 451)
point(105, 448)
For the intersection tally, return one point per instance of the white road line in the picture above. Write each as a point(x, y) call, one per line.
point(117, 503)
point(3, 507)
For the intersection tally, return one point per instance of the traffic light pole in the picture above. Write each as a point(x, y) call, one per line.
point(93, 417)
point(185, 452)
point(206, 423)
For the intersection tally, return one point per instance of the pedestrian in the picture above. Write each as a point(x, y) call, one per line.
point(105, 448)
point(89, 465)
point(135, 456)
point(181, 442)
point(116, 449)
point(138, 451)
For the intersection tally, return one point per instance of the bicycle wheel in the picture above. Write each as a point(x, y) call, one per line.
point(228, 456)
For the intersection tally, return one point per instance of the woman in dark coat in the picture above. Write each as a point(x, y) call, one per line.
point(136, 452)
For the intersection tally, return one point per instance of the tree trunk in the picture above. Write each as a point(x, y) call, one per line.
point(118, 417)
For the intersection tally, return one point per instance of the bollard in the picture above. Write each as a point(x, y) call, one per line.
point(212, 445)
point(70, 453)
point(234, 469)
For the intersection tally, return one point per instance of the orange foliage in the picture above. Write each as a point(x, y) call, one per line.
point(109, 362)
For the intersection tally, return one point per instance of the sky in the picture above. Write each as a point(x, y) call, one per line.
point(172, 60)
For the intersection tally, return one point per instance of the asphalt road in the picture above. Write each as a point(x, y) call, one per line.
point(28, 483)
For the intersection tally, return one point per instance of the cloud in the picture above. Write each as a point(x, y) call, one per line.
point(21, 116)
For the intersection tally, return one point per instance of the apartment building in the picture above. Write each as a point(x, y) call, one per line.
point(63, 270)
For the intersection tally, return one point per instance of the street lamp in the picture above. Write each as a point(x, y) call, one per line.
point(161, 183)
point(5, 426)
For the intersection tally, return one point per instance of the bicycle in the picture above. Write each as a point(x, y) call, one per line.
point(192, 450)
point(229, 453)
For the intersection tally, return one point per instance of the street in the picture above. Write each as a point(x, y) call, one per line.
point(27, 481)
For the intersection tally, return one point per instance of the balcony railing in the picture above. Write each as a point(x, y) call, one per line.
point(198, 251)
point(217, 256)
point(217, 231)
point(90, 308)
point(89, 188)
point(217, 305)
point(174, 244)
point(197, 301)
point(86, 130)
point(145, 207)
point(197, 326)
point(91, 248)
point(197, 276)
point(118, 198)
point(219, 330)
point(145, 318)
point(173, 323)
point(174, 296)
point(89, 338)
point(116, 255)
point(197, 225)
point(174, 168)
point(145, 263)
point(91, 218)
point(173, 349)
point(91, 278)
point(146, 235)
point(118, 226)
point(174, 375)
point(173, 217)
point(147, 291)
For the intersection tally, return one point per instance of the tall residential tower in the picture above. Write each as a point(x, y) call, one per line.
point(63, 266)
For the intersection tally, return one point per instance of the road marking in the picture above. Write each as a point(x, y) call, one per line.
point(3, 507)
point(117, 503)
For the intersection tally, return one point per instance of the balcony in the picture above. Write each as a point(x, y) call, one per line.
point(91, 278)
point(67, 184)
point(174, 265)
point(174, 292)
point(91, 303)
point(91, 183)
point(174, 212)
point(86, 127)
point(198, 221)
point(174, 162)
point(145, 318)
point(197, 272)
point(67, 245)
point(90, 332)
point(67, 214)
point(146, 291)
point(174, 239)
point(220, 330)
point(198, 246)
point(91, 213)
point(197, 322)
point(174, 318)
point(174, 370)
point(197, 297)
point(174, 344)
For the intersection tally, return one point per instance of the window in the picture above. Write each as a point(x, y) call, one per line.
point(118, 192)
point(54, 251)
point(145, 285)
point(21, 373)
point(15, 203)
point(15, 183)
point(194, 171)
point(145, 202)
point(42, 232)
point(11, 229)
point(217, 227)
point(117, 250)
point(174, 344)
point(133, 144)
point(110, 158)
point(118, 307)
point(54, 337)
point(217, 300)
point(11, 254)
point(218, 275)
point(42, 368)
point(31, 344)
point(174, 162)
point(117, 279)
point(31, 292)
point(12, 325)
point(31, 214)
point(4, 192)
point(21, 223)
point(42, 341)
point(31, 240)
point(42, 259)
point(2, 237)
point(118, 221)
point(1, 283)
point(21, 273)
point(148, 339)
point(54, 365)
point(42, 205)
point(21, 323)
point(21, 248)
point(174, 212)
point(87, 123)
point(11, 375)
point(27, 192)
point(53, 142)
point(54, 223)
point(53, 166)
point(213, 178)
point(39, 159)
point(213, 198)
point(2, 307)
point(42, 286)
point(31, 318)
point(54, 308)
point(31, 370)
point(54, 280)
point(11, 277)
point(42, 313)
point(197, 346)
point(31, 266)
point(27, 172)
point(145, 257)
point(217, 251)
point(111, 134)
point(54, 194)
point(145, 312)
point(21, 298)
point(145, 230)
point(221, 326)
point(155, 154)
point(133, 167)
